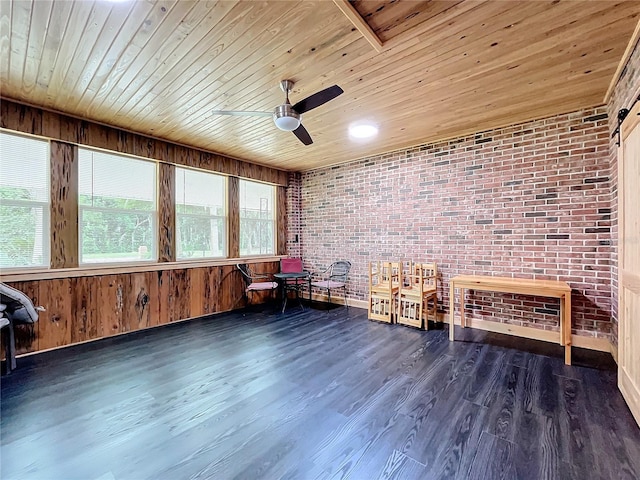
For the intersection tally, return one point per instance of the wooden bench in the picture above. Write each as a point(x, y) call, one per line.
point(522, 286)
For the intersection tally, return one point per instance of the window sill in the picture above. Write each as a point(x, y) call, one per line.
point(90, 271)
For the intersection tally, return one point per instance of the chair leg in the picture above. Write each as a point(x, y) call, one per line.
point(298, 297)
point(329, 294)
point(345, 297)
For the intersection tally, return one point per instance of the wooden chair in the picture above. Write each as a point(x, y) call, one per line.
point(383, 287)
point(430, 292)
point(418, 295)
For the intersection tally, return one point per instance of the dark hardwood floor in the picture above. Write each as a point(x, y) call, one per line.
point(318, 394)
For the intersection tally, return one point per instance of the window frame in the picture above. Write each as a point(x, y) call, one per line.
point(45, 205)
point(154, 213)
point(224, 218)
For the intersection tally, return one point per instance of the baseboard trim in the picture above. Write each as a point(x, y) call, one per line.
point(340, 300)
point(506, 328)
point(581, 341)
point(591, 343)
point(119, 334)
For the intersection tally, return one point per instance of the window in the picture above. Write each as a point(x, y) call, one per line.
point(200, 214)
point(24, 201)
point(257, 218)
point(117, 208)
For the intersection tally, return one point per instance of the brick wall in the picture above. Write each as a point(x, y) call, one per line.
point(294, 230)
point(530, 200)
point(624, 94)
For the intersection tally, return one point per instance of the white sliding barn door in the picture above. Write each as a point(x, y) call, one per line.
point(629, 261)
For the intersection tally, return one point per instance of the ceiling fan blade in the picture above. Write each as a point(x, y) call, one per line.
point(317, 99)
point(246, 113)
point(303, 135)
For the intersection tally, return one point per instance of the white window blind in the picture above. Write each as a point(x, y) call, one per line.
point(24, 201)
point(117, 208)
point(257, 218)
point(201, 214)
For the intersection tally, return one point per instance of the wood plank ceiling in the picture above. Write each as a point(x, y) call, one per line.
point(446, 67)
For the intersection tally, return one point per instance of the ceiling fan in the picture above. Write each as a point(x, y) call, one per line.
point(289, 117)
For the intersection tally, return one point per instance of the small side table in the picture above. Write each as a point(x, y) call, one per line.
point(283, 278)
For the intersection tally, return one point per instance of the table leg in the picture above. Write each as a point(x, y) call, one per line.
point(452, 309)
point(566, 314)
point(283, 289)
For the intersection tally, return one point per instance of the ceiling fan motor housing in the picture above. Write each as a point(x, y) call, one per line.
point(286, 118)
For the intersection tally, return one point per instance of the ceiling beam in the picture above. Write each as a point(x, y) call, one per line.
point(358, 22)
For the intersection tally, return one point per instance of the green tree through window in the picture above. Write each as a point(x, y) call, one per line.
point(257, 218)
point(17, 228)
point(24, 201)
point(117, 208)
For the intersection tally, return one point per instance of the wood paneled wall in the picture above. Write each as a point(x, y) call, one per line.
point(35, 121)
point(64, 205)
point(166, 213)
point(233, 206)
point(87, 308)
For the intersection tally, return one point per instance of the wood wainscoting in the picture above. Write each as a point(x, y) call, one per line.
point(83, 308)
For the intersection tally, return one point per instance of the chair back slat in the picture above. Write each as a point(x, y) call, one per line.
point(411, 277)
point(429, 275)
point(418, 296)
point(339, 271)
point(384, 281)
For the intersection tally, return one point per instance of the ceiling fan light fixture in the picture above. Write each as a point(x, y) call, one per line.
point(286, 118)
point(288, 124)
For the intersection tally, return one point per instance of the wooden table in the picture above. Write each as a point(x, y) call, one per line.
point(522, 286)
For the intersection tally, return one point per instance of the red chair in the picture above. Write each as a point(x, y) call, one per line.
point(291, 265)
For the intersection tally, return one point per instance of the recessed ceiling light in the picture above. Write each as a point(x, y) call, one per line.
point(363, 130)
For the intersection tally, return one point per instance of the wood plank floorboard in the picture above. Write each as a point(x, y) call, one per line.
point(494, 459)
point(399, 466)
point(314, 394)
